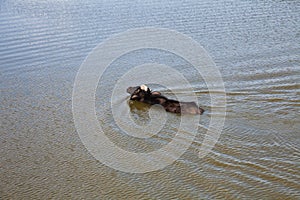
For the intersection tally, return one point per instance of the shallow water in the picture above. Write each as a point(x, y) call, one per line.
point(255, 45)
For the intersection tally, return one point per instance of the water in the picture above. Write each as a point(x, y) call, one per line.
point(255, 45)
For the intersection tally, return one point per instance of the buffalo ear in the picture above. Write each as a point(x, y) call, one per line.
point(131, 90)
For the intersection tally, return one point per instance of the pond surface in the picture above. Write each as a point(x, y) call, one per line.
point(255, 45)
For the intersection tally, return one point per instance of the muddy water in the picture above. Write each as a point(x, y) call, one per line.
point(255, 45)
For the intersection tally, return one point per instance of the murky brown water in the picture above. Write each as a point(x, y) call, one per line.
point(254, 44)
